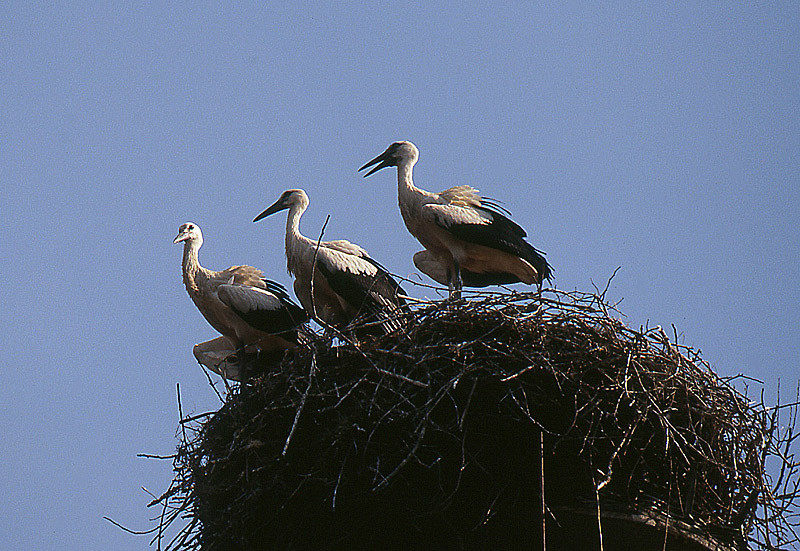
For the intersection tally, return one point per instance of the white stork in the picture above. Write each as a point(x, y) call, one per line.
point(348, 284)
point(468, 239)
point(239, 302)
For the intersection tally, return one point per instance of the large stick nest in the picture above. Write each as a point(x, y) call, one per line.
point(436, 434)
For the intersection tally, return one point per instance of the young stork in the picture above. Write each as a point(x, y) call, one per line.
point(468, 239)
point(239, 302)
point(348, 284)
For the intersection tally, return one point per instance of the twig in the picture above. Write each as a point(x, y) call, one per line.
point(314, 268)
point(311, 371)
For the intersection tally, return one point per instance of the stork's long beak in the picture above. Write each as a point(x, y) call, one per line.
point(277, 206)
point(183, 236)
point(384, 161)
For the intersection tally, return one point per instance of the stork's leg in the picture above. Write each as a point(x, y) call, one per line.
point(455, 281)
point(244, 368)
point(241, 355)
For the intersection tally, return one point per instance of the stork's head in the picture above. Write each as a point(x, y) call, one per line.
point(189, 232)
point(288, 199)
point(398, 152)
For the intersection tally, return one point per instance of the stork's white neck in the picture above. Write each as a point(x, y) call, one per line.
point(405, 170)
point(191, 264)
point(191, 261)
point(294, 239)
point(293, 223)
point(407, 192)
point(405, 181)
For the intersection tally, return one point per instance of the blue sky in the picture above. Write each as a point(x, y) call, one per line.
point(661, 140)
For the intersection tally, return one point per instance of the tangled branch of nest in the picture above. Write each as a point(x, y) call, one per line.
point(447, 432)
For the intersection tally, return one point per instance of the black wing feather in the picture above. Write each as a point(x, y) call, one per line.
point(370, 295)
point(279, 291)
point(495, 205)
point(504, 235)
point(280, 321)
point(277, 322)
point(395, 287)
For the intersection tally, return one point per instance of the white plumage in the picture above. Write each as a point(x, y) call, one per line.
point(348, 284)
point(468, 238)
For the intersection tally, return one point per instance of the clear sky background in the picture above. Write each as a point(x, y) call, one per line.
point(662, 140)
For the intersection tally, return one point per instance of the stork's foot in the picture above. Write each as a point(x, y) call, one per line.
point(455, 281)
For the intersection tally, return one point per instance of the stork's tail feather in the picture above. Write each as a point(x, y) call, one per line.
point(536, 259)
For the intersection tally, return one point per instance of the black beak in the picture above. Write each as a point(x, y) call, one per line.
point(278, 205)
point(384, 159)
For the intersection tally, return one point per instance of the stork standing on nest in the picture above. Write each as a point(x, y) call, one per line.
point(348, 284)
point(468, 239)
point(238, 302)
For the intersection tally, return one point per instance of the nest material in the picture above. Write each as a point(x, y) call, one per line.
point(445, 433)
